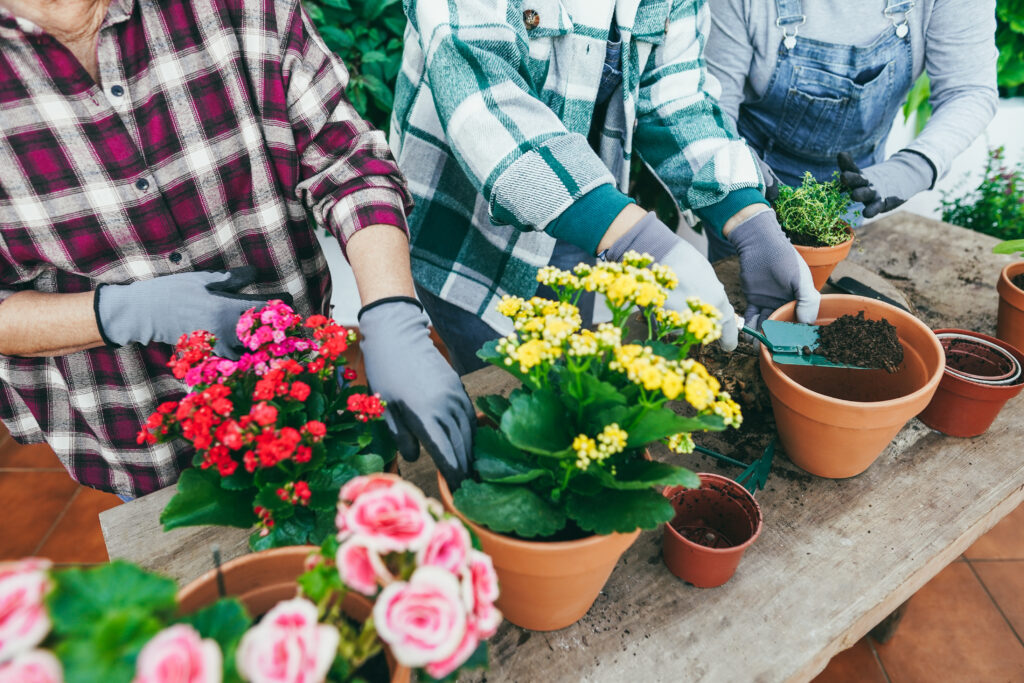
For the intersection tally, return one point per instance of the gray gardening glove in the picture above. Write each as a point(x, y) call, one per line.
point(426, 400)
point(771, 181)
point(771, 271)
point(696, 276)
point(166, 307)
point(885, 186)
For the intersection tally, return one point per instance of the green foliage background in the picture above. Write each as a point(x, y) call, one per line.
point(367, 35)
point(996, 206)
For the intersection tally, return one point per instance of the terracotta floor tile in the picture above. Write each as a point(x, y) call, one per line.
point(32, 501)
point(1005, 541)
point(36, 457)
point(854, 665)
point(1005, 581)
point(952, 632)
point(77, 538)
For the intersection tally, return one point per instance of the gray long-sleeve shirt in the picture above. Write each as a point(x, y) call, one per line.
point(953, 39)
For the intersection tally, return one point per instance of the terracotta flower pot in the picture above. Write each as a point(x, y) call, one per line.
point(546, 586)
point(724, 516)
point(834, 422)
point(823, 260)
point(261, 580)
point(1011, 306)
point(962, 407)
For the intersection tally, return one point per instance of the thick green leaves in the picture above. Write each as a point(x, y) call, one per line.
point(225, 622)
point(640, 474)
point(368, 463)
point(537, 423)
point(498, 461)
point(508, 508)
point(661, 423)
point(201, 500)
point(619, 511)
point(493, 406)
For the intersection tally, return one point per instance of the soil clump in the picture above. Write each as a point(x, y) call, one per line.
point(855, 340)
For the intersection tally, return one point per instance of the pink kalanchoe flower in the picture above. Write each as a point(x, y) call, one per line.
point(424, 620)
point(442, 668)
point(34, 666)
point(391, 519)
point(448, 547)
point(288, 645)
point(178, 654)
point(480, 583)
point(24, 622)
point(360, 568)
point(368, 482)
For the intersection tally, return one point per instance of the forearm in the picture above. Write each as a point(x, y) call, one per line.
point(379, 256)
point(37, 324)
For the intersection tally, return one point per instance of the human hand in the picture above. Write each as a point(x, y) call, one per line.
point(887, 185)
point(426, 402)
point(164, 308)
point(771, 271)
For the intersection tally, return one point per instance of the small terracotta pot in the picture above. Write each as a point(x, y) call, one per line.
point(1010, 326)
point(834, 422)
point(962, 407)
point(721, 512)
point(544, 585)
point(823, 260)
point(261, 580)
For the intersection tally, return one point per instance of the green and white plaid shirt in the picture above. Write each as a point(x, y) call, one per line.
point(491, 121)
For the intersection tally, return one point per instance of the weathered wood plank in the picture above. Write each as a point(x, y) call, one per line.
point(835, 557)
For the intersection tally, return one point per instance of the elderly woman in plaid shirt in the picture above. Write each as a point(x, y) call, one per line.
point(515, 122)
point(158, 161)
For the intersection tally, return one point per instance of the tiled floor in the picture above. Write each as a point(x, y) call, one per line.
point(967, 624)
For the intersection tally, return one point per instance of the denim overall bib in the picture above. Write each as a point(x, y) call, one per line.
point(826, 98)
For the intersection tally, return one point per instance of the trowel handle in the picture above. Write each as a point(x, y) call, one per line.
point(754, 333)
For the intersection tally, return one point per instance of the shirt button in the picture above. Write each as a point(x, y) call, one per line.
point(531, 18)
point(117, 91)
point(142, 184)
point(175, 257)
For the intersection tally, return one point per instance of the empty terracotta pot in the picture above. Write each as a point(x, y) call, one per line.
point(713, 527)
point(261, 580)
point(962, 407)
point(544, 585)
point(834, 422)
point(1010, 327)
point(823, 260)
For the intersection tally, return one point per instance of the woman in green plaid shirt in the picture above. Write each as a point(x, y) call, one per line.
point(515, 122)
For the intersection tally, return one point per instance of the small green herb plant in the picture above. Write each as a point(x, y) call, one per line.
point(812, 215)
point(996, 206)
point(1011, 247)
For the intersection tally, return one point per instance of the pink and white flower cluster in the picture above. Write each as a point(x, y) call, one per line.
point(437, 617)
point(24, 623)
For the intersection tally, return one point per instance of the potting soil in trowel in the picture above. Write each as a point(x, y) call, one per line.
point(857, 340)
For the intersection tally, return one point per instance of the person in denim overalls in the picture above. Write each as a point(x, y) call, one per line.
point(829, 106)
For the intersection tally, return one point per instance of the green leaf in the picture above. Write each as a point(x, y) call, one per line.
point(508, 508)
point(659, 423)
point(489, 354)
point(201, 500)
point(81, 598)
point(107, 652)
point(638, 474)
point(505, 472)
point(537, 423)
point(596, 395)
point(368, 463)
point(1009, 247)
point(316, 404)
point(493, 406)
point(618, 511)
point(225, 621)
point(337, 39)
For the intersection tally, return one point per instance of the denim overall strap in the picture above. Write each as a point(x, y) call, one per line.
point(791, 18)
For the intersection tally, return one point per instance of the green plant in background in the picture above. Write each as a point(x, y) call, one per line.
point(812, 215)
point(367, 35)
point(996, 206)
point(1011, 247)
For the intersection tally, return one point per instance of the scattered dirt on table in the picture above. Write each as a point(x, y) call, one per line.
point(1018, 281)
point(856, 340)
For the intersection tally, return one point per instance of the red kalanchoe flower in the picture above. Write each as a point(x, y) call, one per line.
point(349, 374)
point(316, 321)
point(315, 366)
point(365, 406)
point(263, 414)
point(316, 429)
point(303, 492)
point(299, 391)
point(303, 454)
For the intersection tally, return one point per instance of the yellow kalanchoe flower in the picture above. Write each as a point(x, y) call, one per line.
point(610, 441)
point(681, 443)
point(555, 277)
point(728, 409)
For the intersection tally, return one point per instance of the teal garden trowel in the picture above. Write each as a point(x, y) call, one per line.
point(794, 344)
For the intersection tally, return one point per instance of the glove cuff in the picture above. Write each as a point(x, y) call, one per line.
point(760, 227)
point(99, 319)
point(921, 165)
point(388, 300)
point(648, 236)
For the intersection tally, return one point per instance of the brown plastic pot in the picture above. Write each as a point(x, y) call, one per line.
point(962, 407)
point(545, 585)
point(721, 512)
point(823, 260)
point(834, 422)
point(1010, 327)
point(972, 357)
point(261, 580)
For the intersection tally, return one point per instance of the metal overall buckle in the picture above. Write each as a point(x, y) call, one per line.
point(789, 39)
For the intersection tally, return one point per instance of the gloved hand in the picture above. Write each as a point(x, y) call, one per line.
point(771, 271)
point(771, 181)
point(426, 400)
point(696, 276)
point(885, 186)
point(166, 307)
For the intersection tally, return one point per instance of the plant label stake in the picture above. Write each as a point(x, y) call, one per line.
point(222, 591)
point(795, 344)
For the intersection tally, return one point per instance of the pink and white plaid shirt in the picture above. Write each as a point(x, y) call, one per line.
point(216, 128)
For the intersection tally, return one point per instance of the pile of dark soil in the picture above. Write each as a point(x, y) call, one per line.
point(1018, 281)
point(701, 533)
point(802, 239)
point(855, 340)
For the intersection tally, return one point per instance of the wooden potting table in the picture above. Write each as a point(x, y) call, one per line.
point(835, 557)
